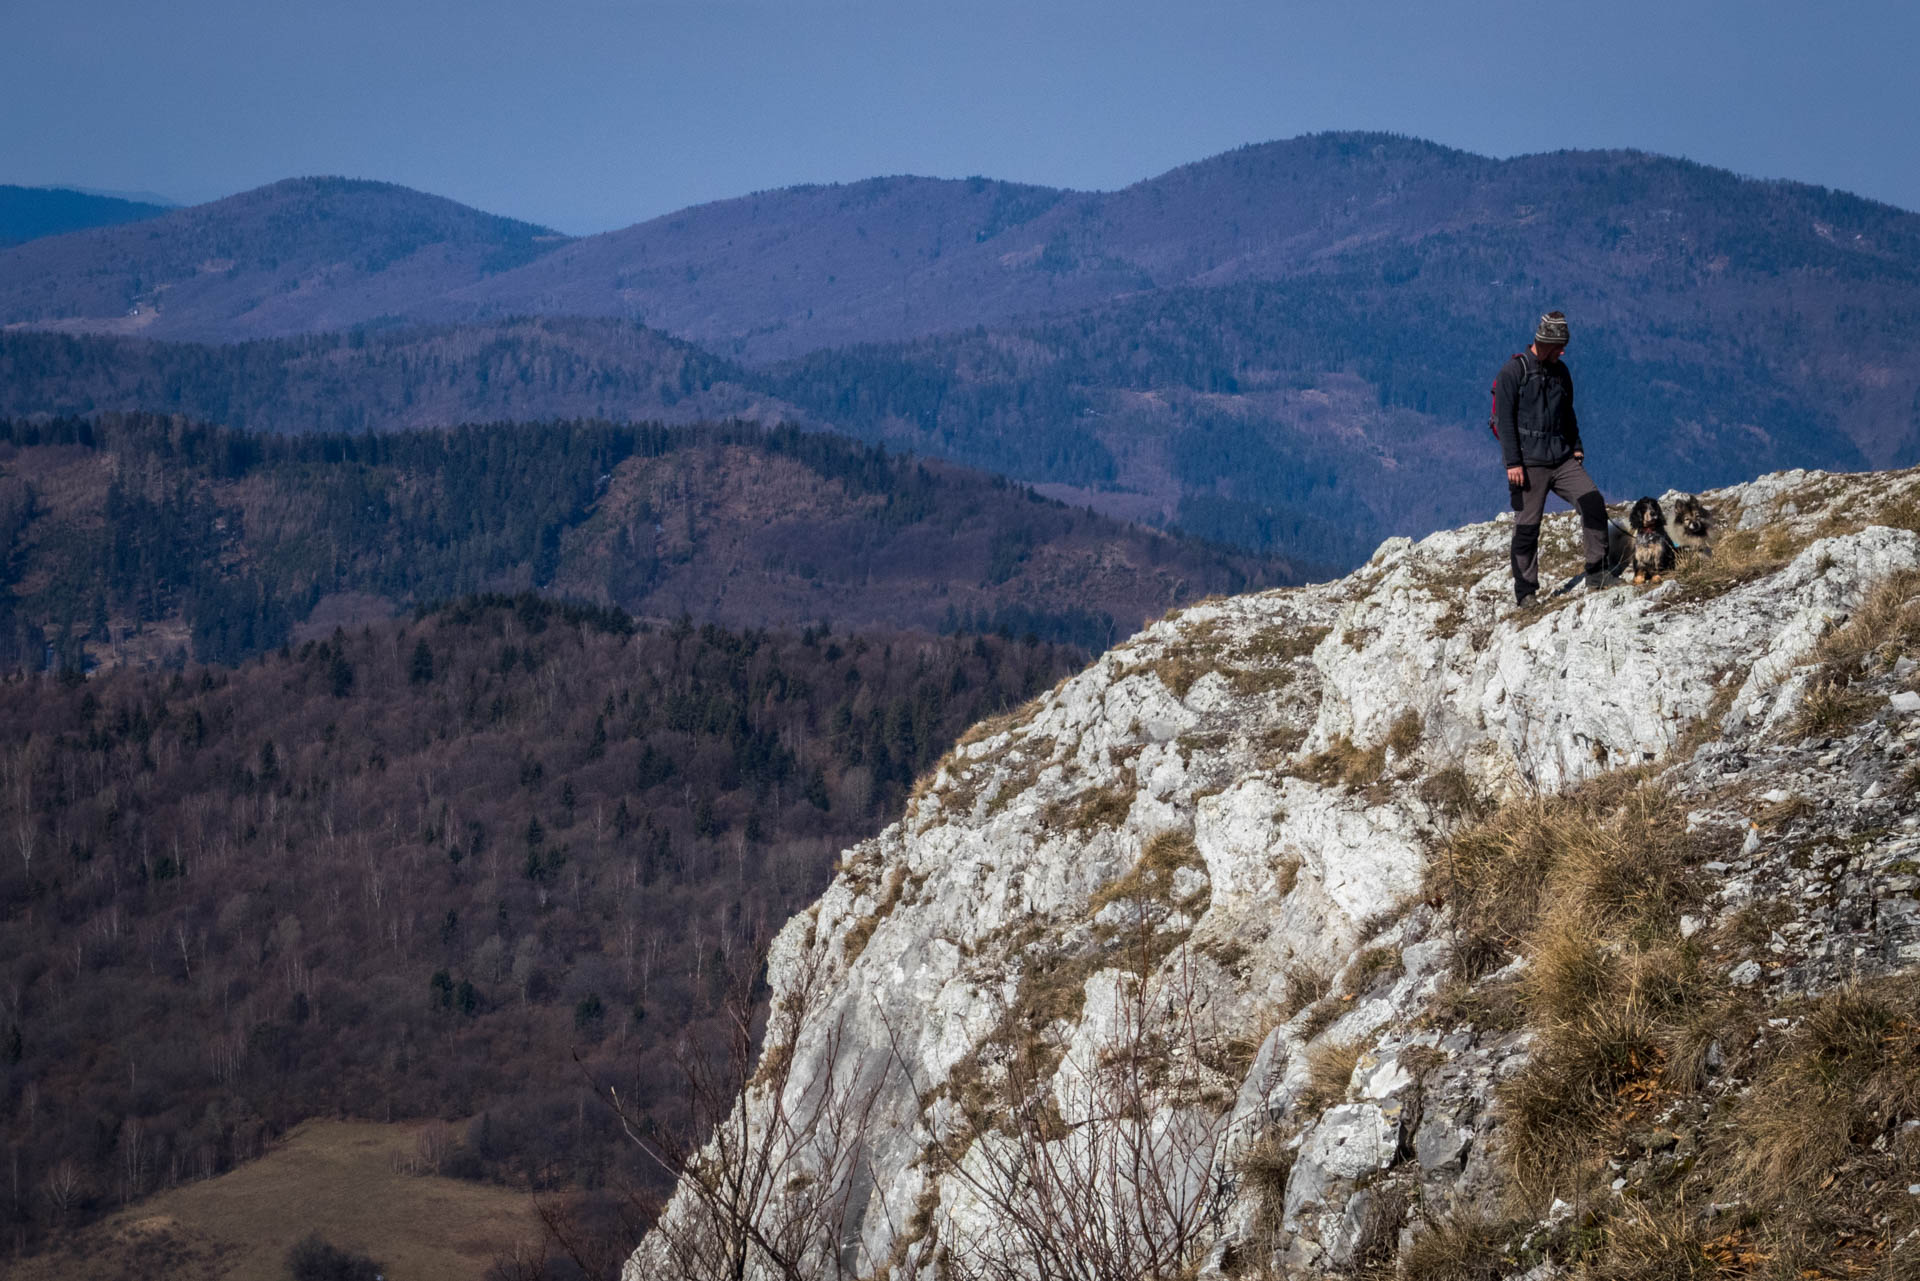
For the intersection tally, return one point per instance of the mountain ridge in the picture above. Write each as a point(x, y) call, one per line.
point(293, 256)
point(1262, 347)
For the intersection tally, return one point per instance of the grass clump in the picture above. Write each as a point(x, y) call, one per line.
point(1820, 1148)
point(1403, 736)
point(1886, 625)
point(1287, 875)
point(1096, 809)
point(1617, 846)
point(1589, 887)
point(1263, 1168)
point(862, 931)
point(1281, 644)
point(1464, 1246)
point(1304, 986)
point(1452, 794)
point(1264, 1165)
point(1321, 1015)
point(1371, 966)
point(1150, 879)
point(1022, 774)
point(1345, 764)
point(1739, 557)
point(1833, 1104)
point(1329, 1068)
point(1654, 1243)
point(1831, 707)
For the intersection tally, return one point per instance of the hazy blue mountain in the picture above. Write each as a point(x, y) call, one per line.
point(299, 256)
point(28, 213)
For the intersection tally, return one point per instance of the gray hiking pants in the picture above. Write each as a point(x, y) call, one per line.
point(1569, 480)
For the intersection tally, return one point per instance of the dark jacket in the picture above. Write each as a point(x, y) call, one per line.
point(1533, 410)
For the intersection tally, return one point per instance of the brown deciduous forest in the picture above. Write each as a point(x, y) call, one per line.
point(414, 868)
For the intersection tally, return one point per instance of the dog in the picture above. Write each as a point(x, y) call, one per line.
point(1652, 549)
point(1696, 526)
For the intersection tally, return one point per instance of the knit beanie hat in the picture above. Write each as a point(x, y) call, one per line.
point(1552, 330)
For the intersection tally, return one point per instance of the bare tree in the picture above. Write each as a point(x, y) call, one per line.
point(64, 1185)
point(769, 1190)
point(1123, 1184)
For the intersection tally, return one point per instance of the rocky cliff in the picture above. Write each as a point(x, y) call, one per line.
point(1324, 927)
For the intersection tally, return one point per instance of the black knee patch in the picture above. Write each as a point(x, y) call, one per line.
point(1593, 510)
point(1527, 537)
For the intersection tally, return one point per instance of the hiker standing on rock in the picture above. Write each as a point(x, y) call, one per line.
point(1540, 439)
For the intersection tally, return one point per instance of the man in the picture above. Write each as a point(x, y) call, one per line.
point(1540, 438)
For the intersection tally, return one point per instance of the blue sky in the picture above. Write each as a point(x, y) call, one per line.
point(592, 114)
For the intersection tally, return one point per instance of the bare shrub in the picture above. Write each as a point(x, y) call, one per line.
point(769, 1191)
point(1124, 1187)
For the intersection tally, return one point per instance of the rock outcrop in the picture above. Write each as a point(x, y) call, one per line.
point(1162, 960)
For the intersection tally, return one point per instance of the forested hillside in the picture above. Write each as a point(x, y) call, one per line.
point(384, 380)
point(151, 541)
point(410, 870)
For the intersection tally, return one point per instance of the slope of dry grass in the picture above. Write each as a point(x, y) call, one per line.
point(342, 1179)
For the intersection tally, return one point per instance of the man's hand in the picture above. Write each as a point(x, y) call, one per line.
point(1580, 456)
point(1518, 475)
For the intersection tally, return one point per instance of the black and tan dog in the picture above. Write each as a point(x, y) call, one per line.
point(1695, 536)
point(1652, 549)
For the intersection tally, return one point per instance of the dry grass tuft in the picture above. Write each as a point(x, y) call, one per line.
point(1452, 795)
point(862, 930)
point(1848, 1076)
point(1329, 1069)
point(1285, 877)
point(1582, 1076)
point(1885, 625)
point(1461, 1247)
point(1403, 737)
point(1589, 887)
point(1654, 1243)
point(1615, 851)
point(1264, 1166)
point(1304, 986)
point(1345, 764)
point(1093, 810)
point(1371, 966)
point(1901, 511)
point(1739, 557)
point(1831, 707)
point(1281, 644)
point(1488, 1007)
point(1151, 876)
point(1321, 1015)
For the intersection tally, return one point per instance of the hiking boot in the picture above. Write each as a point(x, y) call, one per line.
point(1603, 580)
point(1526, 604)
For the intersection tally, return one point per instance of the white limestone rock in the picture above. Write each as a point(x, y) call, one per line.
point(993, 891)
